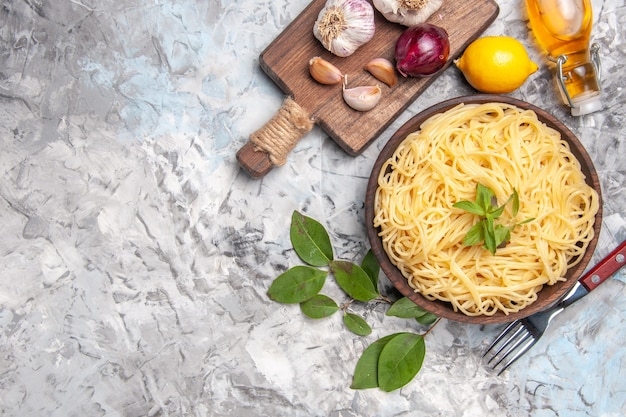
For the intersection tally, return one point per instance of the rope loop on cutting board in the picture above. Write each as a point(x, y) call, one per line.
point(281, 133)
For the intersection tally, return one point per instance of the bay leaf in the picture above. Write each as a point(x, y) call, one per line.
point(366, 370)
point(310, 240)
point(371, 266)
point(427, 319)
point(356, 324)
point(297, 284)
point(353, 280)
point(319, 306)
point(406, 309)
point(400, 360)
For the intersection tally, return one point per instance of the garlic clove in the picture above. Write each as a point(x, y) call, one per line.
point(324, 72)
point(383, 70)
point(407, 12)
point(362, 98)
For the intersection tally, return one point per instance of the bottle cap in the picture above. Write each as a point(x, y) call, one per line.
point(585, 105)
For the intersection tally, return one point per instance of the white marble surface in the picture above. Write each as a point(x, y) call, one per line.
point(136, 255)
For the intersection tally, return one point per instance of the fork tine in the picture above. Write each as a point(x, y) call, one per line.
point(519, 353)
point(521, 336)
point(500, 336)
point(511, 337)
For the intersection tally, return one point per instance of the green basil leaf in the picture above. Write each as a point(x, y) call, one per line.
point(319, 306)
point(526, 221)
point(502, 234)
point(484, 197)
point(427, 319)
point(475, 235)
point(470, 206)
point(497, 211)
point(353, 280)
point(489, 234)
point(297, 284)
point(486, 231)
point(406, 309)
point(356, 324)
point(371, 267)
point(515, 197)
point(366, 371)
point(400, 360)
point(310, 240)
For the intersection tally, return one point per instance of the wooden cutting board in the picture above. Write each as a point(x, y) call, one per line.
point(286, 62)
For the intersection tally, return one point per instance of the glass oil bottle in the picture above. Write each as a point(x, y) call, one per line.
point(563, 29)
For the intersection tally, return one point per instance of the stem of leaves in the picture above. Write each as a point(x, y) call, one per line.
point(390, 362)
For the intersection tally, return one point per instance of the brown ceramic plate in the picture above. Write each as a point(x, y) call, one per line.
point(548, 294)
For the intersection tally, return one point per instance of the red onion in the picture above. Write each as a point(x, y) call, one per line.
point(422, 50)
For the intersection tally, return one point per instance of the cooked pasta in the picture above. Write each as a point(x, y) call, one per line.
point(503, 148)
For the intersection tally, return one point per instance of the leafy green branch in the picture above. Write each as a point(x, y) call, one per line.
point(494, 235)
point(389, 363)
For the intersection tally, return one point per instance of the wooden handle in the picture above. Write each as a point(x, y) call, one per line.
point(605, 268)
point(270, 145)
point(255, 161)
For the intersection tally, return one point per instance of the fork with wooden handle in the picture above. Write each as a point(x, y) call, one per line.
point(519, 336)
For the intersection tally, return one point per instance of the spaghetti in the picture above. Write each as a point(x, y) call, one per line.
point(502, 147)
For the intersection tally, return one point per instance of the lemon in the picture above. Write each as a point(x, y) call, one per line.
point(495, 64)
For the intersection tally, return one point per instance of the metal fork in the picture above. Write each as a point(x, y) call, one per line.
point(519, 336)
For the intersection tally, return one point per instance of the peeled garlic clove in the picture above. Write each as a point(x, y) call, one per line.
point(342, 26)
point(383, 70)
point(362, 98)
point(324, 72)
point(407, 12)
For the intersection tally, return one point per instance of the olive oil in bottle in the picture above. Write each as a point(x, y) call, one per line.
point(563, 29)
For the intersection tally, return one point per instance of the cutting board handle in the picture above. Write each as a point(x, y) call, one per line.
point(270, 145)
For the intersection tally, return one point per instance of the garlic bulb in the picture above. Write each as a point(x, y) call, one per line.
point(342, 26)
point(407, 12)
